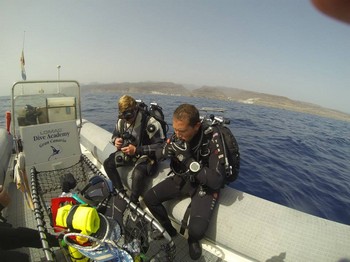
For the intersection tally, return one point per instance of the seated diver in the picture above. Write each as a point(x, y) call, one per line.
point(198, 173)
point(135, 137)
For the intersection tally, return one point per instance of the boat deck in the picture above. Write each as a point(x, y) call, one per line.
point(18, 214)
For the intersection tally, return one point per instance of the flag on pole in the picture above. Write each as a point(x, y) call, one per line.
point(24, 76)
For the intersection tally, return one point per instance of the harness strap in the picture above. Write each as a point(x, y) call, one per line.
point(227, 164)
point(144, 122)
point(103, 205)
point(185, 219)
point(70, 217)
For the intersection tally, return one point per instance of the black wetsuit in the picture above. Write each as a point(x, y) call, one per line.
point(147, 135)
point(203, 188)
point(13, 238)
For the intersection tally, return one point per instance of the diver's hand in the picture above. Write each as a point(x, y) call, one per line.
point(129, 150)
point(118, 142)
point(179, 149)
point(182, 152)
point(165, 151)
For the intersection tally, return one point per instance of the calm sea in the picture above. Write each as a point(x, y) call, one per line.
point(294, 159)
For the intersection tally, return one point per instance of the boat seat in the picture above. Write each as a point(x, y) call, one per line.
point(42, 115)
point(21, 117)
point(39, 116)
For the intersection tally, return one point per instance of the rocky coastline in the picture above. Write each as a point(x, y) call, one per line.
point(220, 93)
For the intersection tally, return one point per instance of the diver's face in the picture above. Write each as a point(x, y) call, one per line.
point(183, 130)
point(128, 115)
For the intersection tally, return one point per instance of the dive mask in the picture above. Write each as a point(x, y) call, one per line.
point(127, 114)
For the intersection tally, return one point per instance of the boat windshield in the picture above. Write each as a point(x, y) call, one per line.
point(40, 102)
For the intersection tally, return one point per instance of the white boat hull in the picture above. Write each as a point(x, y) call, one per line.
point(252, 227)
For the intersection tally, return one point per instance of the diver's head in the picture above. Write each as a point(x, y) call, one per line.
point(186, 122)
point(127, 108)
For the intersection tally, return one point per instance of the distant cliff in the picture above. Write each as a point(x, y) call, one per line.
point(165, 88)
point(220, 93)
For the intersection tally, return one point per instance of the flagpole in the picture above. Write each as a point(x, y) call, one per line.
point(24, 37)
point(23, 72)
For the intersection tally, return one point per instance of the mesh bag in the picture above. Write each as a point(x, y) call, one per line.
point(125, 232)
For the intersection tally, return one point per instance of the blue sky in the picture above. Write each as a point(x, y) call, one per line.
point(284, 48)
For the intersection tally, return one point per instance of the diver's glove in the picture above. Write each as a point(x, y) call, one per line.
point(170, 149)
point(163, 152)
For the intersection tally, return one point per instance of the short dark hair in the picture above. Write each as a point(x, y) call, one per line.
point(187, 112)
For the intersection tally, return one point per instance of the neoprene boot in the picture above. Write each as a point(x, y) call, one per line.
point(194, 248)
